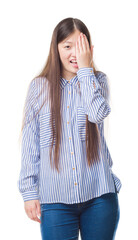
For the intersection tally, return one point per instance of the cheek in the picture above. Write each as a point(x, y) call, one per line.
point(64, 56)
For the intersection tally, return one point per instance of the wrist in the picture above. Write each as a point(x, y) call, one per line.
point(86, 66)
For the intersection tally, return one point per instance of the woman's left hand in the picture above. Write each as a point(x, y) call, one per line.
point(84, 53)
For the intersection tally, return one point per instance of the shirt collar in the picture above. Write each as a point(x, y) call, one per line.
point(72, 81)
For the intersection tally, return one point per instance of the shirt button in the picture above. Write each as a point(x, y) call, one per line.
point(75, 183)
point(72, 153)
point(69, 137)
point(73, 168)
point(69, 92)
point(67, 122)
point(67, 106)
point(91, 71)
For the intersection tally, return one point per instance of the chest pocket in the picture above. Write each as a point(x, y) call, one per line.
point(81, 122)
point(45, 130)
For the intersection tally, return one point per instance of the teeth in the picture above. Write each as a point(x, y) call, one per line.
point(73, 61)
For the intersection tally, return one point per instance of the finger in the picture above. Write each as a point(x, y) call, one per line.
point(92, 47)
point(77, 48)
point(92, 50)
point(84, 44)
point(29, 214)
point(35, 218)
point(87, 43)
point(38, 209)
point(80, 44)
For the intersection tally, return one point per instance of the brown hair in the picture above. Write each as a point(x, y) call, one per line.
point(52, 73)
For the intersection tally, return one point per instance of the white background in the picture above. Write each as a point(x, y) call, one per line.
point(26, 30)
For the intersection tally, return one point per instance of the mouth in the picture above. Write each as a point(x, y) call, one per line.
point(74, 63)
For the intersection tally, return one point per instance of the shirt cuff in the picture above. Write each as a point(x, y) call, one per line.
point(30, 195)
point(84, 71)
point(86, 75)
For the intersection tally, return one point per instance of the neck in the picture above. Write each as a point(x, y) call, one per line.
point(68, 76)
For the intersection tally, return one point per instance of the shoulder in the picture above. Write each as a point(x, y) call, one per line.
point(39, 84)
point(39, 81)
point(41, 90)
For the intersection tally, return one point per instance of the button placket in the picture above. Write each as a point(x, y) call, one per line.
point(71, 144)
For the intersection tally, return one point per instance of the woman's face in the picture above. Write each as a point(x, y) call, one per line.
point(67, 52)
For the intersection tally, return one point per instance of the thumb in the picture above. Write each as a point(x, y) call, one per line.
point(38, 209)
point(92, 54)
point(92, 46)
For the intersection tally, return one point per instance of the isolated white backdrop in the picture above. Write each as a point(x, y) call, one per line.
point(26, 30)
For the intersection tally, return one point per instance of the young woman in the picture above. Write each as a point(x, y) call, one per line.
point(66, 177)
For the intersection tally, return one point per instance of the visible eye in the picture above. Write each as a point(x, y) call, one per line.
point(67, 47)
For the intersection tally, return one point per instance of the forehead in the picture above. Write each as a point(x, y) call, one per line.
point(72, 37)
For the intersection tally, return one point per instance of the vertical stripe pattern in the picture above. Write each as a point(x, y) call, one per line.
point(85, 94)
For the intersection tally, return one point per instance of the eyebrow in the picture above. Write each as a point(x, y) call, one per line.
point(67, 41)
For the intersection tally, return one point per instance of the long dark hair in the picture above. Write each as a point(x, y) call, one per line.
point(52, 73)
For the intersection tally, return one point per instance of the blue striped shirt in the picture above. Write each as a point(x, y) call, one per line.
point(76, 182)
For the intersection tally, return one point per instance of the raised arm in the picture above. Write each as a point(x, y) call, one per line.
point(94, 94)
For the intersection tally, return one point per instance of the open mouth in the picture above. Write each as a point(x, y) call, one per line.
point(74, 64)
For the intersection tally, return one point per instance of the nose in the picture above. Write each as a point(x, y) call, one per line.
point(73, 53)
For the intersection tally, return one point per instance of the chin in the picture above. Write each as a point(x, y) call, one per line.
point(74, 70)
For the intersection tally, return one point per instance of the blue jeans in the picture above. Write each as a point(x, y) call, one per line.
point(97, 219)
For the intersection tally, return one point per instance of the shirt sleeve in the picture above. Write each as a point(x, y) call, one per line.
point(94, 95)
point(30, 150)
